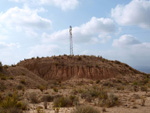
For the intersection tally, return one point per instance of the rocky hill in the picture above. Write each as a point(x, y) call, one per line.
point(68, 67)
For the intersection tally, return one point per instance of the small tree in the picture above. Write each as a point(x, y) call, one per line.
point(1, 66)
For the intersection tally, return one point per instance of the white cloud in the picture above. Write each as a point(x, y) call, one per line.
point(129, 50)
point(137, 12)
point(44, 50)
point(23, 20)
point(4, 45)
point(2, 37)
point(89, 32)
point(125, 40)
point(63, 4)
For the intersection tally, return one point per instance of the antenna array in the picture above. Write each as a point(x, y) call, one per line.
point(71, 41)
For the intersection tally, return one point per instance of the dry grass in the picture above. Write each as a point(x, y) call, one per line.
point(85, 109)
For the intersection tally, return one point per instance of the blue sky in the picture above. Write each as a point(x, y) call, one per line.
point(114, 29)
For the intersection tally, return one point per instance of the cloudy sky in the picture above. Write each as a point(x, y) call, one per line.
point(114, 29)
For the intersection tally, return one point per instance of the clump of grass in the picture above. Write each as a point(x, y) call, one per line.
point(62, 102)
point(85, 109)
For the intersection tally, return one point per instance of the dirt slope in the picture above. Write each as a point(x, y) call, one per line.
point(19, 77)
point(67, 67)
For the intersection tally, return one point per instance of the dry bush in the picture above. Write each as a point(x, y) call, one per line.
point(33, 97)
point(144, 88)
point(3, 78)
point(85, 109)
point(47, 98)
point(62, 102)
point(108, 101)
point(20, 87)
point(55, 89)
point(42, 87)
point(91, 93)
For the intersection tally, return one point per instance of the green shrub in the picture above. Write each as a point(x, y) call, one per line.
point(85, 109)
point(62, 102)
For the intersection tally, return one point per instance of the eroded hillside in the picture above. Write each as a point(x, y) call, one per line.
point(67, 67)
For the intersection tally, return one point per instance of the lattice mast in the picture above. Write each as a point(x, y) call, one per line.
point(71, 41)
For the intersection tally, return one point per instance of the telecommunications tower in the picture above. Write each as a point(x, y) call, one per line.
point(71, 42)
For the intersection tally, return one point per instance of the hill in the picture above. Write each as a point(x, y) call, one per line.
point(68, 83)
point(68, 67)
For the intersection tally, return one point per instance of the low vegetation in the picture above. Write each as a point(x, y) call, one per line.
point(85, 109)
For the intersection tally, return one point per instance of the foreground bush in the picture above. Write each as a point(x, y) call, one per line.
point(10, 104)
point(85, 109)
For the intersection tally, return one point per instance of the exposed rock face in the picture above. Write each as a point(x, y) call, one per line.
point(67, 67)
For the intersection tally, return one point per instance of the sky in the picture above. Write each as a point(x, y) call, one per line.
point(113, 29)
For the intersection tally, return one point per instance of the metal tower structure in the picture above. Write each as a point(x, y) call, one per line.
point(71, 41)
